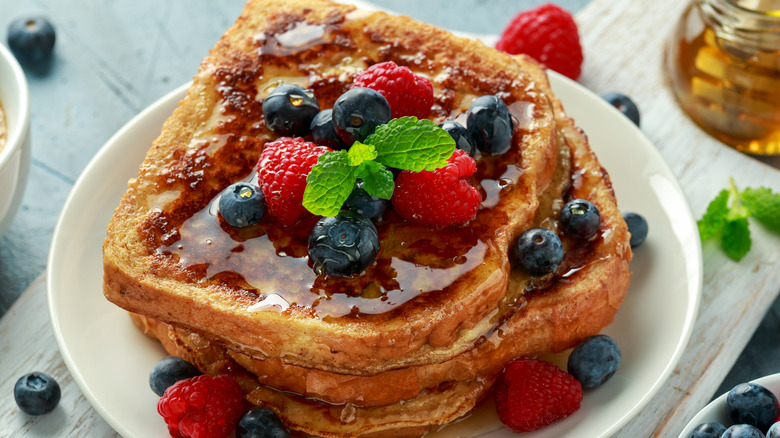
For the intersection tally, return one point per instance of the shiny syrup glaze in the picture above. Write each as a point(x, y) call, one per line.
point(267, 264)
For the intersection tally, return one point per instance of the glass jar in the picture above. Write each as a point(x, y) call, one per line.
point(723, 64)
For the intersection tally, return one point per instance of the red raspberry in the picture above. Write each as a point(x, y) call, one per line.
point(533, 393)
point(407, 93)
point(202, 407)
point(548, 34)
point(282, 171)
point(440, 197)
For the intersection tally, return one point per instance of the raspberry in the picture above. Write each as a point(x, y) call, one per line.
point(440, 197)
point(282, 170)
point(533, 393)
point(407, 93)
point(202, 407)
point(548, 34)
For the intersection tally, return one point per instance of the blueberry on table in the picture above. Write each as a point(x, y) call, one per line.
point(361, 202)
point(343, 245)
point(539, 251)
point(580, 219)
point(289, 110)
point(358, 112)
point(708, 430)
point(594, 361)
point(753, 404)
point(490, 125)
point(742, 431)
point(261, 423)
point(31, 39)
point(324, 133)
point(37, 393)
point(624, 104)
point(242, 204)
point(637, 226)
point(168, 371)
point(461, 135)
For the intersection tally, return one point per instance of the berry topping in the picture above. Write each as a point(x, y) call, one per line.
point(539, 251)
point(282, 170)
point(407, 93)
point(490, 125)
point(440, 197)
point(708, 430)
point(324, 133)
point(343, 245)
point(637, 226)
point(358, 112)
point(742, 431)
point(594, 361)
point(168, 371)
point(289, 110)
point(624, 104)
point(580, 219)
point(261, 423)
point(31, 39)
point(37, 393)
point(548, 34)
point(461, 135)
point(750, 403)
point(202, 406)
point(533, 393)
point(361, 202)
point(242, 204)
point(774, 431)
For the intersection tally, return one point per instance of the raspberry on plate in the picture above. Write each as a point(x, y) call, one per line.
point(533, 393)
point(440, 197)
point(282, 171)
point(202, 407)
point(407, 93)
point(548, 34)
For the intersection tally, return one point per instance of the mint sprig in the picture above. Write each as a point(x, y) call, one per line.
point(405, 143)
point(727, 216)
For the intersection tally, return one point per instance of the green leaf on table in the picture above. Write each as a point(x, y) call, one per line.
point(715, 217)
point(410, 144)
point(764, 206)
point(736, 238)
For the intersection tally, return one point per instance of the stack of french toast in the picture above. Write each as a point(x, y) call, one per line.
point(416, 340)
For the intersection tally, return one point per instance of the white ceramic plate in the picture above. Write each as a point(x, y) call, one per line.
point(110, 359)
point(716, 410)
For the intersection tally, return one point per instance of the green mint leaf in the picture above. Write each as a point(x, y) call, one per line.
point(715, 217)
point(377, 180)
point(736, 238)
point(359, 153)
point(329, 184)
point(764, 206)
point(736, 209)
point(410, 144)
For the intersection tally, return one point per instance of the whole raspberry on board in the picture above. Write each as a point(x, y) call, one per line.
point(533, 393)
point(548, 34)
point(202, 407)
point(282, 171)
point(440, 197)
point(407, 93)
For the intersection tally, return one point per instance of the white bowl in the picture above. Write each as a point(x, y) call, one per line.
point(716, 410)
point(15, 154)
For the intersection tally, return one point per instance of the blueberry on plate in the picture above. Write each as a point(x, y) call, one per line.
point(460, 134)
point(624, 104)
point(289, 110)
point(361, 202)
point(324, 133)
point(31, 39)
point(343, 245)
point(594, 361)
point(539, 251)
point(742, 431)
point(490, 125)
point(242, 204)
point(637, 226)
point(708, 430)
point(358, 112)
point(580, 219)
point(261, 423)
point(753, 404)
point(37, 393)
point(168, 371)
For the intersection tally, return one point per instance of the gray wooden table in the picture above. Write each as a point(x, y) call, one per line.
point(115, 58)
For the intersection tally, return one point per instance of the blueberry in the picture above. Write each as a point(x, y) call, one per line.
point(539, 251)
point(261, 423)
point(168, 371)
point(37, 393)
point(490, 125)
point(31, 39)
point(594, 361)
point(242, 204)
point(637, 226)
point(708, 430)
point(750, 403)
point(361, 202)
point(289, 110)
point(461, 135)
point(324, 133)
point(343, 245)
point(742, 431)
point(358, 112)
point(580, 219)
point(774, 431)
point(624, 104)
